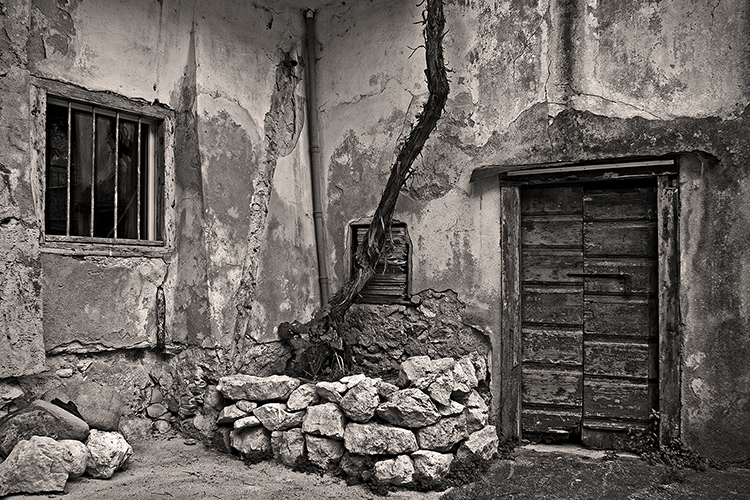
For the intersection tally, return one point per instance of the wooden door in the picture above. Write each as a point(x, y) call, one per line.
point(588, 311)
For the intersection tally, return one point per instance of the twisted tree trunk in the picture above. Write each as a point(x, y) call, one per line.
point(325, 326)
point(376, 241)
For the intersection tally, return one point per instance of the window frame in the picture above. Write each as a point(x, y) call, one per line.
point(43, 90)
point(369, 296)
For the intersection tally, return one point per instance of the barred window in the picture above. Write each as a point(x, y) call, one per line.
point(104, 179)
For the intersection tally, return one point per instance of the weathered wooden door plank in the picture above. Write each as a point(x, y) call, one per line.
point(510, 317)
point(669, 333)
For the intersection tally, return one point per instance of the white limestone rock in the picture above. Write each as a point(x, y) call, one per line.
point(397, 471)
point(386, 389)
point(330, 391)
point(432, 465)
point(378, 439)
point(246, 406)
point(108, 453)
point(251, 388)
point(360, 402)
point(251, 440)
point(443, 435)
point(476, 419)
point(302, 397)
point(469, 371)
point(453, 409)
point(352, 380)
point(41, 464)
point(410, 408)
point(288, 446)
point(245, 422)
point(324, 452)
point(482, 444)
point(324, 420)
point(275, 417)
point(413, 369)
point(229, 414)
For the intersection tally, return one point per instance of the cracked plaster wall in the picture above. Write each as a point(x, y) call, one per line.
point(533, 81)
point(543, 81)
point(233, 74)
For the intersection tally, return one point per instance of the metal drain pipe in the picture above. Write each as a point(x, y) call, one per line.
point(313, 134)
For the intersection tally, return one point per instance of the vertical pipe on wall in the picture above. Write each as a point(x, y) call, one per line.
point(312, 130)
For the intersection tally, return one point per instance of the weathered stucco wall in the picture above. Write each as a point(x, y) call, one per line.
point(532, 81)
point(21, 340)
point(233, 73)
point(538, 81)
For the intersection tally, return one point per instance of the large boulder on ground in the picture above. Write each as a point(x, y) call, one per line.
point(324, 420)
point(251, 440)
point(302, 397)
point(251, 388)
point(378, 439)
point(409, 408)
point(443, 435)
point(324, 452)
point(39, 419)
point(42, 464)
point(100, 405)
point(481, 444)
point(288, 446)
point(360, 401)
point(432, 465)
point(108, 452)
point(275, 417)
point(398, 471)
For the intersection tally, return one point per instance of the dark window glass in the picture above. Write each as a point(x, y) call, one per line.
point(115, 175)
point(56, 194)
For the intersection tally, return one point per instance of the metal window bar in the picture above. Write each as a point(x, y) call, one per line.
point(151, 172)
point(93, 169)
point(150, 164)
point(67, 188)
point(117, 164)
point(138, 194)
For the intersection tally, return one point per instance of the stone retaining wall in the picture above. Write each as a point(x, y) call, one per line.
point(369, 428)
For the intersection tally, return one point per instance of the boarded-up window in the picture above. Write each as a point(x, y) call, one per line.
point(391, 281)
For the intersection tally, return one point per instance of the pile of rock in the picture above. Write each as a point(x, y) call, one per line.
point(369, 428)
point(44, 444)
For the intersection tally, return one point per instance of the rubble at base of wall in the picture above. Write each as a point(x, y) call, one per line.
point(372, 430)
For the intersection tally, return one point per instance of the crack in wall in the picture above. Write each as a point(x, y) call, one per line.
point(282, 126)
point(614, 101)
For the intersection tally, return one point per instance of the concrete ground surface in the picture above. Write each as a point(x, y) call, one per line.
point(172, 469)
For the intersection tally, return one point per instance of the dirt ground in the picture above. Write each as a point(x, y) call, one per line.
point(172, 469)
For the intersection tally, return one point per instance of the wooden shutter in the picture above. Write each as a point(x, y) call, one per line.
point(391, 281)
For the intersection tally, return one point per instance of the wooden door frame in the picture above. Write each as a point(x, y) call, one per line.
point(665, 172)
